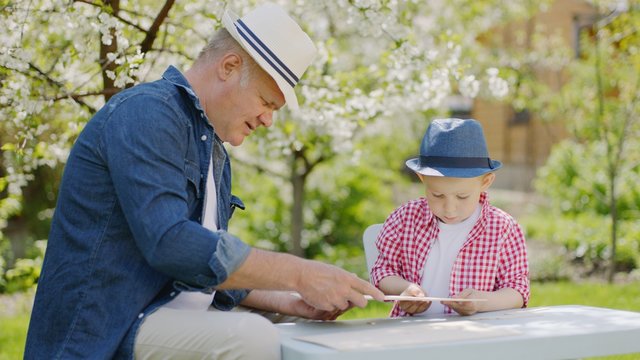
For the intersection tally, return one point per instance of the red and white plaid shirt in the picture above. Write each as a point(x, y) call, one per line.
point(493, 257)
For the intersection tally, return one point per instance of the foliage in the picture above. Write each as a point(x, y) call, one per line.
point(25, 272)
point(595, 170)
point(584, 239)
point(380, 62)
point(574, 181)
point(343, 199)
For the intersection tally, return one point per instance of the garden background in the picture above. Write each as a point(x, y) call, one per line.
point(318, 177)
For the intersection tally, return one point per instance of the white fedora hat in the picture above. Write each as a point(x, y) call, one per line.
point(276, 42)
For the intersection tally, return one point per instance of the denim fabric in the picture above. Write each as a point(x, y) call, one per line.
point(126, 234)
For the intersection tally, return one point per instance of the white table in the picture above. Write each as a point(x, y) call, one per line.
point(554, 332)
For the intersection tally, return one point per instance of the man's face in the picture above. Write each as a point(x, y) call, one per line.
point(246, 106)
point(453, 200)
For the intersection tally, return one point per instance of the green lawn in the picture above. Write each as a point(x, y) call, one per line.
point(12, 333)
point(618, 296)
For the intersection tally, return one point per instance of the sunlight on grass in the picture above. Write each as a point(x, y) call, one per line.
point(12, 335)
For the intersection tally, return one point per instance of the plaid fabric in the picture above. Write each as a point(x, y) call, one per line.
point(493, 257)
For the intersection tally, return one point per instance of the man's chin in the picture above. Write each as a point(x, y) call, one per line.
point(236, 142)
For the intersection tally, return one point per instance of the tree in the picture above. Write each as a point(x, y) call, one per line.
point(380, 62)
point(59, 62)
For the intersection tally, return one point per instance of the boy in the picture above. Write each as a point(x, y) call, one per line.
point(452, 243)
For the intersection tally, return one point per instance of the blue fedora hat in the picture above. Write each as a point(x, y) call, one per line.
point(453, 148)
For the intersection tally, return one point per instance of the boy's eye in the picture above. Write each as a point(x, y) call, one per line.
point(462, 197)
point(439, 196)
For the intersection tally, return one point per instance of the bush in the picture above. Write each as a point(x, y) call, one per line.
point(585, 239)
point(25, 272)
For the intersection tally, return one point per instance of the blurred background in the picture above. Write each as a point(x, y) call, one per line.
point(556, 85)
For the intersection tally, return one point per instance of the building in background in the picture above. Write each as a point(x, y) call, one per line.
point(520, 139)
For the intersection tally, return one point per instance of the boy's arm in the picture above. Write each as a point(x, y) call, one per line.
point(513, 269)
point(505, 298)
point(394, 285)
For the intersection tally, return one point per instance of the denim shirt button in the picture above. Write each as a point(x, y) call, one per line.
point(202, 115)
point(173, 293)
point(140, 316)
point(203, 137)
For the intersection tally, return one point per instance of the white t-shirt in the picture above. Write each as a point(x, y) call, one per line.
point(194, 300)
point(443, 253)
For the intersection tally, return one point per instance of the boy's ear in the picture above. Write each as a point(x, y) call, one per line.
point(487, 180)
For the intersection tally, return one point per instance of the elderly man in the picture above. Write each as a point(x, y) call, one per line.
point(139, 261)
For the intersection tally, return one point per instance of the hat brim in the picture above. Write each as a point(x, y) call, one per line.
point(229, 20)
point(414, 164)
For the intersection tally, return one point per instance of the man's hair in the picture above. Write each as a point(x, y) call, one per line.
point(221, 43)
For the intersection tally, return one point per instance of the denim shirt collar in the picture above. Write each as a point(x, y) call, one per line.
point(174, 76)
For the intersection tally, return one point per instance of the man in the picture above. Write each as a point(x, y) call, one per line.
point(138, 260)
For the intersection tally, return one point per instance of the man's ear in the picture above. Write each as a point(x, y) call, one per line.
point(487, 180)
point(229, 63)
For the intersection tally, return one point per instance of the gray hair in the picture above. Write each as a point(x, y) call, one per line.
point(222, 43)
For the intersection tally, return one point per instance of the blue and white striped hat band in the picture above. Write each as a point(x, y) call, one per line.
point(268, 55)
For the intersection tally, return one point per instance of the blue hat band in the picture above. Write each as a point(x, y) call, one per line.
point(455, 162)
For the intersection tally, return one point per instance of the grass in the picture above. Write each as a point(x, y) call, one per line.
point(12, 334)
point(13, 327)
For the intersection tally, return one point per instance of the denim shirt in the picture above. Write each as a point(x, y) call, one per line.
point(126, 236)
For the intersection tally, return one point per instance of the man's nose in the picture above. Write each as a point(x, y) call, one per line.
point(266, 118)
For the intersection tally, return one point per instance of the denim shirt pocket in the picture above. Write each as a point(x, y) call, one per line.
point(194, 192)
point(235, 202)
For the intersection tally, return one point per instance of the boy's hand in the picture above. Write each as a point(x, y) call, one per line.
point(414, 307)
point(467, 307)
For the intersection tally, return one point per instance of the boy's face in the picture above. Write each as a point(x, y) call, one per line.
point(453, 200)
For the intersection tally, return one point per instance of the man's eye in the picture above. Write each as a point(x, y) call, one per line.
point(439, 196)
point(463, 197)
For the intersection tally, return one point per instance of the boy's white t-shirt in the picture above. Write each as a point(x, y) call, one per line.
point(444, 251)
point(195, 300)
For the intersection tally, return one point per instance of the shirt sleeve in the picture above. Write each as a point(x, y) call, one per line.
point(144, 145)
point(387, 243)
point(514, 267)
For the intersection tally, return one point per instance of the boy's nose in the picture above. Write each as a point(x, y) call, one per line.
point(449, 208)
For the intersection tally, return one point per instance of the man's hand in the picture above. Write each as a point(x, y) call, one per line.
point(414, 307)
point(327, 287)
point(300, 308)
point(322, 286)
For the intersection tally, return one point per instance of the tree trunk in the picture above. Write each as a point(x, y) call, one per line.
point(108, 83)
point(299, 172)
point(614, 228)
point(297, 218)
